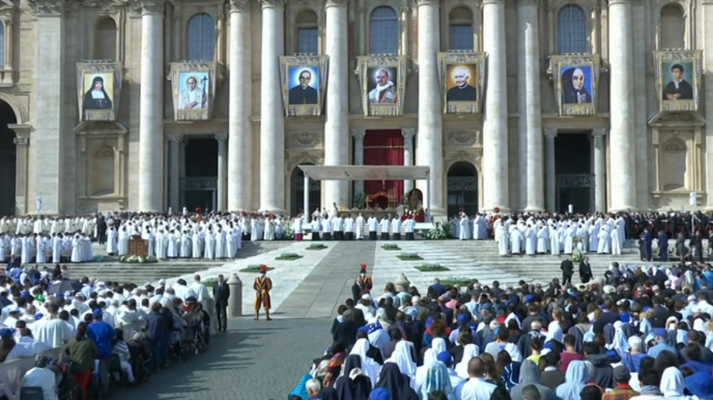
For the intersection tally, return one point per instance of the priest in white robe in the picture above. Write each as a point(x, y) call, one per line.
point(503, 242)
point(604, 238)
point(172, 251)
point(198, 240)
point(359, 225)
point(186, 241)
point(515, 240)
point(220, 244)
point(209, 253)
point(542, 240)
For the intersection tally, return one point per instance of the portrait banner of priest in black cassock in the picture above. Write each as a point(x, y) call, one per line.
point(303, 84)
point(98, 86)
point(677, 77)
point(193, 86)
point(383, 80)
point(460, 74)
point(576, 78)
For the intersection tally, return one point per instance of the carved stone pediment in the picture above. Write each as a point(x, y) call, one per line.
point(100, 128)
point(463, 138)
point(301, 140)
point(313, 157)
point(473, 156)
point(666, 118)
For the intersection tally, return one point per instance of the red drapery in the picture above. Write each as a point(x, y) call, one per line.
point(384, 147)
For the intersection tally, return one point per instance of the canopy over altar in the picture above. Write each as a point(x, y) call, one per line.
point(367, 173)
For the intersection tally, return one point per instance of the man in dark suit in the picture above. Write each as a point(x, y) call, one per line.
point(303, 93)
point(567, 269)
point(463, 91)
point(221, 293)
point(101, 229)
point(585, 270)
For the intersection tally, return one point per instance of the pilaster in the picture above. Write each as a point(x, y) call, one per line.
point(707, 26)
point(222, 139)
point(408, 135)
point(49, 139)
point(174, 170)
point(358, 135)
point(550, 173)
point(600, 182)
point(22, 157)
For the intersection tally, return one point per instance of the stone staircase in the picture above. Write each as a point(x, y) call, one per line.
point(113, 271)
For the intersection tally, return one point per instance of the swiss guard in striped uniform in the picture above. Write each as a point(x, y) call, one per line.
point(262, 287)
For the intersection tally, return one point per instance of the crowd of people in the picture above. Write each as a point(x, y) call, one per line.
point(44, 309)
point(638, 333)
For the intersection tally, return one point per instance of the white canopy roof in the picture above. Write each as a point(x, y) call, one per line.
point(364, 172)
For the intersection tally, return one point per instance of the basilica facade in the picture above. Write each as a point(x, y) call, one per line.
point(512, 104)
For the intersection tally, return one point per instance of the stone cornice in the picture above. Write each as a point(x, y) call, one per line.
point(707, 2)
point(239, 5)
point(48, 7)
point(272, 3)
point(486, 2)
point(429, 2)
point(614, 2)
point(152, 6)
point(525, 3)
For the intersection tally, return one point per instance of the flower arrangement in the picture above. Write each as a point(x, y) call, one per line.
point(256, 268)
point(137, 260)
point(456, 281)
point(431, 267)
point(577, 256)
point(288, 233)
point(437, 233)
point(317, 246)
point(409, 256)
point(210, 282)
point(289, 256)
point(390, 246)
point(359, 200)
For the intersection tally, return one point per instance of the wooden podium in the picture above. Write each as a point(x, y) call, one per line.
point(138, 247)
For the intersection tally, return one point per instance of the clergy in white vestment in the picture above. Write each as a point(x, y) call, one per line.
point(28, 249)
point(542, 240)
point(238, 238)
point(372, 227)
point(111, 241)
point(616, 241)
point(161, 245)
point(209, 253)
point(593, 238)
point(315, 228)
point(515, 240)
point(198, 242)
point(569, 239)
point(230, 249)
point(479, 228)
point(151, 238)
point(254, 234)
point(604, 238)
point(396, 227)
point(40, 255)
point(51, 329)
point(359, 225)
point(76, 249)
point(123, 242)
point(464, 222)
point(186, 244)
point(503, 242)
point(582, 236)
point(269, 230)
point(172, 251)
point(220, 243)
point(530, 241)
point(385, 225)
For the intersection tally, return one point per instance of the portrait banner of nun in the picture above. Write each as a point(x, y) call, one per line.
point(576, 81)
point(98, 89)
point(678, 76)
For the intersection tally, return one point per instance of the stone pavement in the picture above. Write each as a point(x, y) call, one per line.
point(254, 360)
point(329, 284)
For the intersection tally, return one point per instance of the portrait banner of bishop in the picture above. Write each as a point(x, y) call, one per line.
point(678, 77)
point(98, 90)
point(304, 83)
point(193, 88)
point(383, 82)
point(576, 81)
point(462, 81)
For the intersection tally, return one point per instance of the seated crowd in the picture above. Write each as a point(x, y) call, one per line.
point(110, 330)
point(635, 337)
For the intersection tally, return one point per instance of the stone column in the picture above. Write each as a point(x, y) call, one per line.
point(336, 122)
point(550, 176)
point(408, 154)
point(495, 126)
point(151, 142)
point(708, 83)
point(7, 75)
point(358, 135)
point(599, 169)
point(48, 138)
point(622, 145)
point(174, 171)
point(530, 113)
point(430, 126)
point(272, 116)
point(22, 147)
point(240, 144)
point(222, 139)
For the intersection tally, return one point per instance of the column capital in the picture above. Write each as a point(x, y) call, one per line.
point(239, 5)
point(429, 3)
point(599, 132)
point(221, 137)
point(614, 2)
point(359, 133)
point(528, 3)
point(272, 3)
point(47, 7)
point(21, 141)
point(408, 133)
point(175, 137)
point(551, 132)
point(335, 3)
point(148, 7)
point(496, 2)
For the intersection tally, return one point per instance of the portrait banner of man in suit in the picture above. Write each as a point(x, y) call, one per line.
point(303, 84)
point(461, 81)
point(98, 86)
point(678, 75)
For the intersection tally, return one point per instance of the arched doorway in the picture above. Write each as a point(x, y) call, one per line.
point(200, 187)
point(297, 185)
point(7, 160)
point(573, 170)
point(462, 188)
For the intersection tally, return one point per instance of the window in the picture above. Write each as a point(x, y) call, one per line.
point(460, 32)
point(307, 33)
point(571, 30)
point(201, 38)
point(2, 44)
point(105, 39)
point(672, 28)
point(383, 31)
